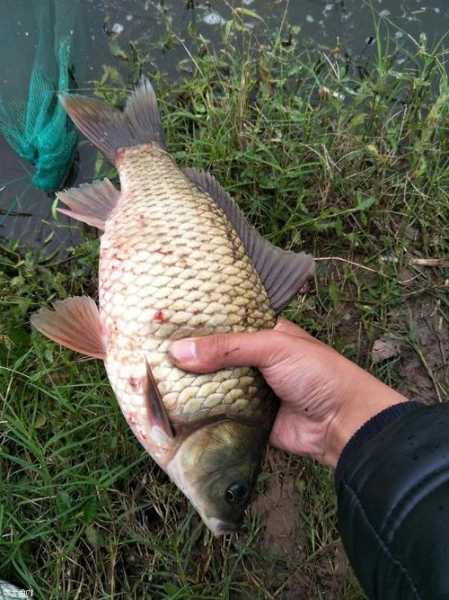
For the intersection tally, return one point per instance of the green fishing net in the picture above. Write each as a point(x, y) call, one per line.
point(46, 46)
point(37, 41)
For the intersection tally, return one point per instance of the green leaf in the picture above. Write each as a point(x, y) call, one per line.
point(117, 51)
point(334, 293)
point(90, 509)
point(171, 589)
point(63, 502)
point(48, 355)
point(246, 12)
point(365, 203)
point(359, 119)
point(40, 421)
point(94, 536)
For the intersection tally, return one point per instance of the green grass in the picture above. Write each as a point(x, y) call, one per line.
point(347, 160)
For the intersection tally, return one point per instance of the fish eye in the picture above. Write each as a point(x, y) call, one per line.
point(237, 493)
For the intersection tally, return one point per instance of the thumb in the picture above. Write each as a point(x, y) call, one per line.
point(205, 354)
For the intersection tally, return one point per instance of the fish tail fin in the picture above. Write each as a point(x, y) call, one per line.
point(109, 128)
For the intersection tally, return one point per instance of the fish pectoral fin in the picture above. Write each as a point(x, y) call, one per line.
point(74, 323)
point(282, 273)
point(91, 203)
point(156, 410)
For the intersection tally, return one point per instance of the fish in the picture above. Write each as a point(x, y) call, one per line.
point(178, 258)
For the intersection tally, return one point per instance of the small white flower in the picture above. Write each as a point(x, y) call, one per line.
point(117, 28)
point(213, 18)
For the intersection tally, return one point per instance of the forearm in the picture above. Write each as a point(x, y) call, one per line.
point(392, 484)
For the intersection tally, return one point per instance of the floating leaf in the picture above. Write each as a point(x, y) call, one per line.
point(117, 50)
point(246, 12)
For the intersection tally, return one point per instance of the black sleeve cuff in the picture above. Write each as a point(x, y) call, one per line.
point(369, 430)
point(392, 490)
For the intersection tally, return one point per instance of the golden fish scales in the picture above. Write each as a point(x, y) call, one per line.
point(177, 259)
point(170, 261)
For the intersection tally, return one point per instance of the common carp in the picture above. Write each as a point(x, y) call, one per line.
point(177, 259)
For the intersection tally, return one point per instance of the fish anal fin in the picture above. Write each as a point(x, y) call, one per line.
point(282, 273)
point(74, 323)
point(156, 410)
point(91, 203)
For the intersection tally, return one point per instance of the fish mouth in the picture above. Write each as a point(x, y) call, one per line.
point(219, 527)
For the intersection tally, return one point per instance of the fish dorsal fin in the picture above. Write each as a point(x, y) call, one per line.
point(74, 323)
point(156, 410)
point(109, 128)
point(91, 203)
point(142, 112)
point(283, 273)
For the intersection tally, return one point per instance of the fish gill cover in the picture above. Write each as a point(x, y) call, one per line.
point(38, 38)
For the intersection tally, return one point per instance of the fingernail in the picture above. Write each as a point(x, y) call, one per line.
point(183, 351)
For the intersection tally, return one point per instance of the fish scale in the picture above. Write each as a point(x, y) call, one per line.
point(177, 259)
point(204, 280)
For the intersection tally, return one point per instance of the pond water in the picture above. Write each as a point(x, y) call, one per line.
point(25, 212)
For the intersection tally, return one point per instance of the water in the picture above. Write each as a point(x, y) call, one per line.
point(25, 213)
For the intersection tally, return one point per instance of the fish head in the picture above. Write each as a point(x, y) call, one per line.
point(216, 467)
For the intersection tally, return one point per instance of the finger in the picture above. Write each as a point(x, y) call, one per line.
point(205, 354)
point(289, 328)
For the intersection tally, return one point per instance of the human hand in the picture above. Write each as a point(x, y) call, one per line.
point(324, 397)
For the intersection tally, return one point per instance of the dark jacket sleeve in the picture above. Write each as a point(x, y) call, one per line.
point(392, 483)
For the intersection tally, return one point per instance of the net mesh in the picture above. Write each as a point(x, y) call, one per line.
point(39, 36)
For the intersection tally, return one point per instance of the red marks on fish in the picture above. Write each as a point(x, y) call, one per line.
point(135, 383)
point(141, 434)
point(110, 329)
point(132, 421)
point(164, 251)
point(112, 258)
point(105, 253)
point(131, 418)
point(119, 243)
point(137, 429)
point(159, 316)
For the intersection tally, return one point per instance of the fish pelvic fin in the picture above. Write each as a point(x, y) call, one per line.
point(91, 203)
point(74, 323)
point(110, 129)
point(157, 413)
point(283, 273)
